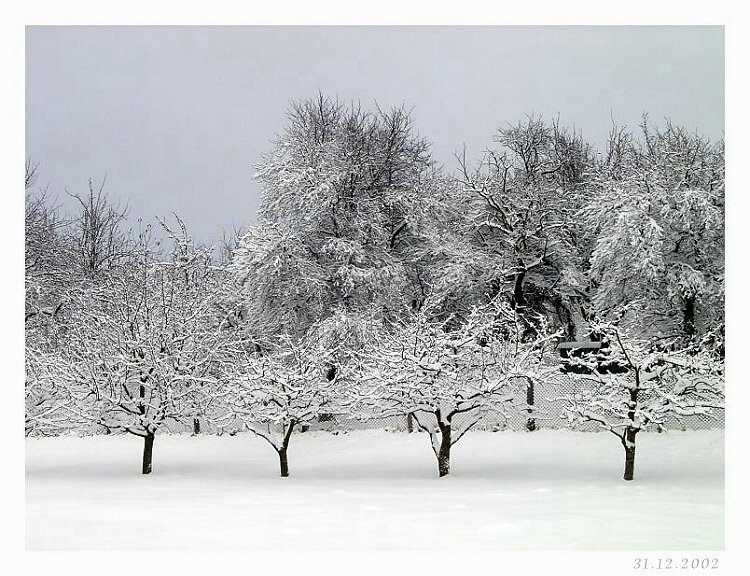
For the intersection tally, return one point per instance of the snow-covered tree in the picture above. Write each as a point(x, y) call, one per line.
point(144, 341)
point(290, 384)
point(48, 400)
point(656, 216)
point(634, 383)
point(448, 373)
point(96, 231)
point(519, 204)
point(346, 195)
point(66, 254)
point(48, 260)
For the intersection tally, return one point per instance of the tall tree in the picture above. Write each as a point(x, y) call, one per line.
point(48, 283)
point(521, 200)
point(47, 253)
point(656, 215)
point(97, 230)
point(346, 195)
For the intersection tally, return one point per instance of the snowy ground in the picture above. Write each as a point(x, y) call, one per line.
point(378, 490)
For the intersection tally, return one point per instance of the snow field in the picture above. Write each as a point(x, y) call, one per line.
point(373, 490)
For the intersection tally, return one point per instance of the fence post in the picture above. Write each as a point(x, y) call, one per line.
point(530, 422)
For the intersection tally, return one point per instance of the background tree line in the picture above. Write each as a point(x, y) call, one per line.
point(376, 282)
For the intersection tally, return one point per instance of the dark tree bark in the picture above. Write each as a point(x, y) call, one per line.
point(283, 462)
point(148, 439)
point(629, 454)
point(148, 451)
point(565, 317)
point(444, 453)
point(688, 318)
point(518, 298)
point(628, 440)
point(282, 451)
point(409, 423)
point(196, 426)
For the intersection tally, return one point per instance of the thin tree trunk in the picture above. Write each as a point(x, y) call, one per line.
point(563, 309)
point(196, 426)
point(631, 431)
point(283, 462)
point(282, 450)
point(518, 298)
point(444, 453)
point(148, 451)
point(688, 321)
point(409, 423)
point(629, 455)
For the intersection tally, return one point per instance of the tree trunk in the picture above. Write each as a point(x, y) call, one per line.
point(688, 319)
point(196, 426)
point(631, 431)
point(409, 423)
point(563, 309)
point(283, 462)
point(282, 450)
point(517, 299)
point(148, 450)
point(444, 454)
point(629, 445)
point(629, 462)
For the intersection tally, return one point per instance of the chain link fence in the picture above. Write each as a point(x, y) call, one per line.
point(548, 413)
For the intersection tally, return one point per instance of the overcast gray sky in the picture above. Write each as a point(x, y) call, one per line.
point(176, 117)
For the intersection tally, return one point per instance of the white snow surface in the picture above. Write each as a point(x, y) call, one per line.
point(373, 490)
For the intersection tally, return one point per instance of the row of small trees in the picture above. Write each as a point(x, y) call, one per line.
point(149, 369)
point(373, 283)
